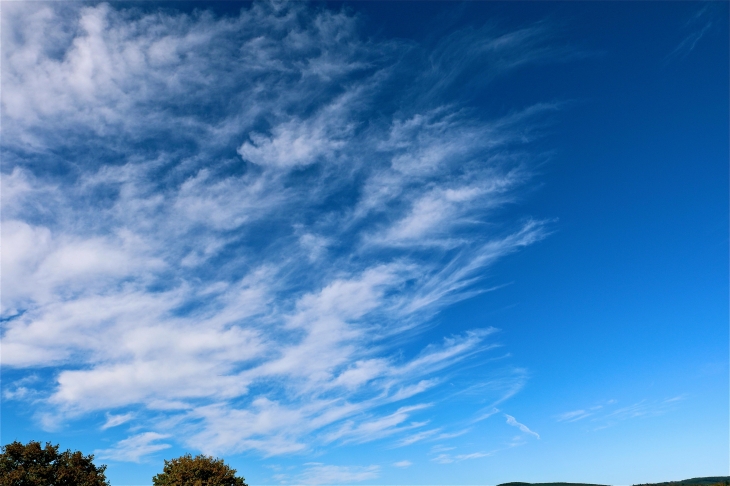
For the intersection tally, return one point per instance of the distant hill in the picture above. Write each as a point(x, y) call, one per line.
point(709, 481)
point(550, 484)
point(722, 480)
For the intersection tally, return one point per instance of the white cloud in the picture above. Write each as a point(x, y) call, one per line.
point(206, 225)
point(608, 413)
point(443, 459)
point(573, 416)
point(21, 389)
point(451, 458)
point(116, 420)
point(403, 464)
point(473, 455)
point(374, 429)
point(641, 409)
point(328, 474)
point(412, 439)
point(293, 144)
point(134, 448)
point(513, 422)
point(486, 415)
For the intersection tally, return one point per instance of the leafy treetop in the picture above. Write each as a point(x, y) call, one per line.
point(33, 465)
point(200, 470)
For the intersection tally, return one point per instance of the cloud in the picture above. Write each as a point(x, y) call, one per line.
point(318, 473)
point(473, 455)
point(115, 420)
point(412, 439)
point(21, 389)
point(689, 42)
point(610, 413)
point(449, 458)
point(231, 229)
point(641, 409)
point(513, 422)
point(698, 25)
point(403, 464)
point(443, 459)
point(373, 429)
point(486, 415)
point(573, 416)
point(429, 435)
point(133, 448)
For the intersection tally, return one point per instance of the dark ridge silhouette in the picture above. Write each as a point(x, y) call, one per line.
point(550, 484)
point(708, 481)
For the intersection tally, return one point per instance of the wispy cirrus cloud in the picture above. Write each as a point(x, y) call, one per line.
point(574, 415)
point(226, 230)
point(698, 25)
point(451, 458)
point(610, 413)
point(442, 454)
point(318, 473)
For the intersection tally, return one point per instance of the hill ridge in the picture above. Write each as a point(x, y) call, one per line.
point(702, 481)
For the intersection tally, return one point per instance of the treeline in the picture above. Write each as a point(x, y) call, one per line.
point(34, 465)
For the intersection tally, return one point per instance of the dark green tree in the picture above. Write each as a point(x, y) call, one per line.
point(200, 470)
point(32, 465)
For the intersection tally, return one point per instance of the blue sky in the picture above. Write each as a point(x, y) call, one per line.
point(369, 242)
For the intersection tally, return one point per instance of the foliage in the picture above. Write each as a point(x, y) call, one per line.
point(200, 470)
point(33, 465)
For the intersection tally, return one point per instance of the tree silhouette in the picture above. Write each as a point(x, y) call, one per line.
point(200, 470)
point(33, 465)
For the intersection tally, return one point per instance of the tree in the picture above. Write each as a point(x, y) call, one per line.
point(197, 471)
point(33, 465)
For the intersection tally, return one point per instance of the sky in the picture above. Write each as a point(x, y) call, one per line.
point(368, 242)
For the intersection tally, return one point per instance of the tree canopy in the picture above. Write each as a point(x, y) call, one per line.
point(200, 470)
point(32, 465)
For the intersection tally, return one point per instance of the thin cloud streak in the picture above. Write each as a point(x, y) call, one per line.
point(688, 43)
point(609, 414)
point(513, 422)
point(699, 24)
point(318, 473)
